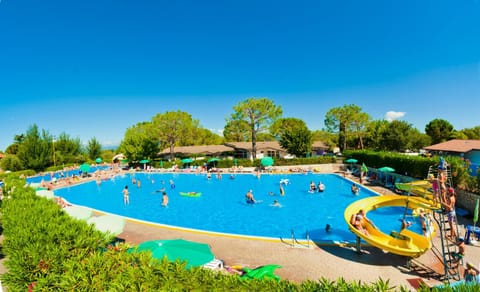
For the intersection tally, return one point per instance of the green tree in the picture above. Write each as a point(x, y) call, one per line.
point(329, 139)
point(67, 149)
point(11, 162)
point(294, 136)
point(13, 148)
point(140, 142)
point(375, 132)
point(259, 114)
point(346, 121)
point(439, 130)
point(236, 131)
point(175, 129)
point(417, 140)
point(468, 133)
point(94, 148)
point(207, 137)
point(396, 137)
point(36, 152)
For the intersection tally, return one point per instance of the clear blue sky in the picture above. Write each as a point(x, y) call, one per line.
point(95, 68)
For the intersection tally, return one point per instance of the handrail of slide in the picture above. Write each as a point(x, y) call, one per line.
point(406, 242)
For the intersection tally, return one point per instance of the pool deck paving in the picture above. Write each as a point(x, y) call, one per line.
point(300, 262)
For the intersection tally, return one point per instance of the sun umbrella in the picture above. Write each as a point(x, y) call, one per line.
point(351, 160)
point(108, 223)
point(187, 160)
point(193, 253)
point(98, 160)
point(267, 161)
point(161, 163)
point(85, 168)
point(144, 161)
point(213, 161)
point(475, 214)
point(45, 193)
point(386, 169)
point(78, 212)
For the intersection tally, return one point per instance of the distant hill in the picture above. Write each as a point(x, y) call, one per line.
point(109, 147)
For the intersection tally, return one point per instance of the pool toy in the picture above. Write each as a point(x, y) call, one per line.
point(405, 242)
point(191, 194)
point(262, 272)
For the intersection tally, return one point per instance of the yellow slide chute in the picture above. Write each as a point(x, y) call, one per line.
point(406, 242)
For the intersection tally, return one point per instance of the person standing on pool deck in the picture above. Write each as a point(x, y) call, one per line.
point(126, 200)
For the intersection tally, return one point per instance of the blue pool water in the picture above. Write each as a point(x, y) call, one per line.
point(222, 207)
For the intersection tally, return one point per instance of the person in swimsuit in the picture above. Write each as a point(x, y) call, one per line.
point(442, 180)
point(126, 199)
point(249, 197)
point(357, 221)
point(450, 209)
point(164, 199)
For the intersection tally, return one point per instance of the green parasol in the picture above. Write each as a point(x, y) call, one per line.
point(351, 160)
point(187, 160)
point(98, 160)
point(144, 161)
point(193, 253)
point(214, 159)
point(386, 169)
point(85, 168)
point(267, 161)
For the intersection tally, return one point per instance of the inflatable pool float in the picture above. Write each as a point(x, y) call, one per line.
point(190, 194)
point(262, 272)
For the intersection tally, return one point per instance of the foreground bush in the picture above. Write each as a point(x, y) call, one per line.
point(49, 251)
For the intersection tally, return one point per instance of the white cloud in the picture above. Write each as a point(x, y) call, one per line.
point(217, 131)
point(393, 115)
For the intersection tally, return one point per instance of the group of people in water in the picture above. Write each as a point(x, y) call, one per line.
point(136, 182)
point(316, 188)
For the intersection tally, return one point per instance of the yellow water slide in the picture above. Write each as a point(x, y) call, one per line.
point(419, 188)
point(406, 242)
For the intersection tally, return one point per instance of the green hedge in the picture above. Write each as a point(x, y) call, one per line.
point(49, 251)
point(417, 166)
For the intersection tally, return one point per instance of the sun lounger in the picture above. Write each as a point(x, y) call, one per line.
point(215, 264)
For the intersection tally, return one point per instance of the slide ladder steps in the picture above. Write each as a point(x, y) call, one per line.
point(448, 248)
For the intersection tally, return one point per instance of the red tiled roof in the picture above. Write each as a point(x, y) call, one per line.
point(261, 145)
point(200, 149)
point(456, 145)
point(1, 155)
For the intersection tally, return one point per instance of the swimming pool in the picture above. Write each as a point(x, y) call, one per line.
point(222, 206)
